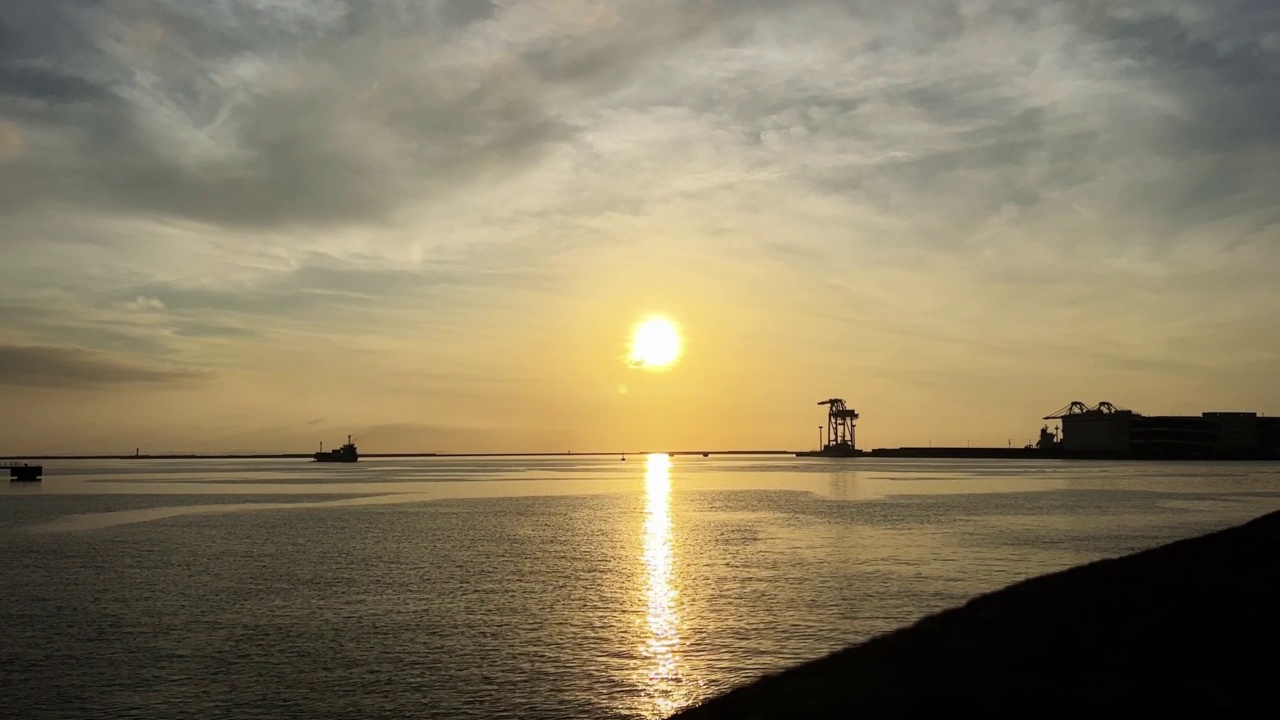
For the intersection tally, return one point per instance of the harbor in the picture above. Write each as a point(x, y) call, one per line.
point(1100, 432)
point(1103, 431)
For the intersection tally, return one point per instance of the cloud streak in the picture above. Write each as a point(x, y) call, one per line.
point(73, 368)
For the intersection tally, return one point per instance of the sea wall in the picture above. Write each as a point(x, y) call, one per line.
point(1184, 630)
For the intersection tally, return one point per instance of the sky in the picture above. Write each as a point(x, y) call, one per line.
point(256, 225)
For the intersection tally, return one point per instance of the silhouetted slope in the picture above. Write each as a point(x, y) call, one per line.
point(1191, 628)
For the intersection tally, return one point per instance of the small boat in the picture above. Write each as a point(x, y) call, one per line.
point(22, 472)
point(345, 454)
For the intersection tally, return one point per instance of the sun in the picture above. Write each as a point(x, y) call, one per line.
point(655, 344)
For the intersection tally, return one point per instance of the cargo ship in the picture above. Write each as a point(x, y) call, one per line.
point(346, 454)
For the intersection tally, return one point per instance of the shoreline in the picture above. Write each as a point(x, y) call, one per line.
point(875, 454)
point(1188, 628)
point(311, 455)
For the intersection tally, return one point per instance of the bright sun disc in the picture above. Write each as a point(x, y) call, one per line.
point(656, 344)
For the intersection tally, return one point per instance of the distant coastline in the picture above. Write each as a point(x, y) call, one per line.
point(308, 456)
point(921, 453)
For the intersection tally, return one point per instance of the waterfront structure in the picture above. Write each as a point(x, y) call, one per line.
point(842, 422)
point(1110, 431)
point(1093, 431)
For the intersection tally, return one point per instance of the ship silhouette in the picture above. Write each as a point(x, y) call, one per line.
point(347, 453)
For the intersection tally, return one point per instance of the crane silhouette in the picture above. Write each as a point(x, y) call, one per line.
point(841, 422)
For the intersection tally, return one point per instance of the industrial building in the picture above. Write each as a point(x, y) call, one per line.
point(1108, 431)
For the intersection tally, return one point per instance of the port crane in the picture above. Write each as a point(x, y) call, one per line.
point(841, 421)
point(1079, 408)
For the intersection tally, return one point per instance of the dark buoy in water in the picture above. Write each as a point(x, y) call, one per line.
point(624, 457)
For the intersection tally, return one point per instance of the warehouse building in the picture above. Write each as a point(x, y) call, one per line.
point(1107, 430)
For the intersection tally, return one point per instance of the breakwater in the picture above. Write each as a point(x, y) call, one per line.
point(1186, 629)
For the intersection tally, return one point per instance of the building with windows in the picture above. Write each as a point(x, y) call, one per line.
point(1109, 431)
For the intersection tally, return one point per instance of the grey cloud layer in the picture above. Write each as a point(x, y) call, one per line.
point(979, 127)
point(259, 112)
point(55, 367)
point(267, 112)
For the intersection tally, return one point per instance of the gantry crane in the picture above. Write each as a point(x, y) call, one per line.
point(1079, 408)
point(841, 422)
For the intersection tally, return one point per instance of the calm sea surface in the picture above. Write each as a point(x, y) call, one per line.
point(444, 588)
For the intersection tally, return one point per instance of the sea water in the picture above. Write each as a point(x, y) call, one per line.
point(527, 588)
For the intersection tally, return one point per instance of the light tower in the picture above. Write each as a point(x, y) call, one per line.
point(841, 422)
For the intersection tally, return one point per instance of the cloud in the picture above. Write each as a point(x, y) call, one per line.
point(258, 114)
point(10, 140)
point(207, 330)
point(320, 288)
point(393, 186)
point(144, 303)
point(62, 367)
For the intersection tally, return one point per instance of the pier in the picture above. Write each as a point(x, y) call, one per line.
point(23, 472)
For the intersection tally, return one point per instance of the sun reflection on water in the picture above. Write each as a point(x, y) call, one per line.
point(662, 644)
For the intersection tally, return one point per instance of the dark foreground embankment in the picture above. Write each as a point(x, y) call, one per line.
point(1187, 629)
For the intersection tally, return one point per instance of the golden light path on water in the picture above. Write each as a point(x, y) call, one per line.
point(662, 645)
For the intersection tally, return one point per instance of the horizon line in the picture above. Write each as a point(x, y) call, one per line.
point(295, 456)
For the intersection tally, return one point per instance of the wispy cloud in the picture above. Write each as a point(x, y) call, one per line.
point(142, 303)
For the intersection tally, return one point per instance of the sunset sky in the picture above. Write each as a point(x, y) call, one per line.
point(253, 225)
